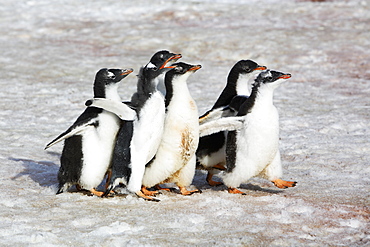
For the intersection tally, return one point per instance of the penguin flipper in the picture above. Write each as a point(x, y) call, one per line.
point(122, 110)
point(218, 125)
point(211, 115)
point(73, 130)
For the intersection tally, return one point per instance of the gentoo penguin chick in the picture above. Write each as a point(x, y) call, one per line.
point(175, 159)
point(138, 140)
point(211, 149)
point(254, 150)
point(89, 142)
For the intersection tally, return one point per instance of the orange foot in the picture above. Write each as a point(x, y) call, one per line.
point(97, 193)
point(186, 192)
point(145, 197)
point(235, 191)
point(147, 192)
point(158, 187)
point(282, 184)
point(210, 181)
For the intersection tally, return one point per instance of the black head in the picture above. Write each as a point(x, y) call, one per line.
point(108, 76)
point(105, 77)
point(247, 66)
point(161, 59)
point(270, 76)
point(182, 68)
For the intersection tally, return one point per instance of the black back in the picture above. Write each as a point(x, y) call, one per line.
point(121, 163)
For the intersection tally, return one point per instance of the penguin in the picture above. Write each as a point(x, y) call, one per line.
point(211, 149)
point(89, 142)
point(138, 140)
point(254, 149)
point(175, 159)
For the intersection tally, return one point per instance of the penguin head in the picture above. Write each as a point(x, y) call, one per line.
point(270, 77)
point(108, 76)
point(248, 66)
point(181, 68)
point(161, 59)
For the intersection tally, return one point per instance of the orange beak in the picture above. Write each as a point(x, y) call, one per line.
point(195, 67)
point(286, 76)
point(128, 71)
point(175, 57)
point(261, 68)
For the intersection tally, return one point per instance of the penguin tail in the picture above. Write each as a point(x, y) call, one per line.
point(108, 191)
point(60, 190)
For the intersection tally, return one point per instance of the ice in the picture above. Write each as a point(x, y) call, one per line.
point(51, 50)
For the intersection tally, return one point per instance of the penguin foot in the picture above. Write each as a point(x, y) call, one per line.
point(158, 187)
point(282, 184)
point(210, 181)
point(219, 167)
point(147, 198)
point(97, 193)
point(235, 191)
point(147, 192)
point(186, 192)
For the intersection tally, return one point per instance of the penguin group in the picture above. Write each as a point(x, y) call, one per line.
point(157, 136)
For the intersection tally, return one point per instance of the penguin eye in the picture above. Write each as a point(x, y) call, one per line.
point(247, 69)
point(269, 78)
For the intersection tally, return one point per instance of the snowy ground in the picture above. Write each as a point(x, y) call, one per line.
point(51, 50)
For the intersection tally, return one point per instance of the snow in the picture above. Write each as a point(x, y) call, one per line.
point(51, 50)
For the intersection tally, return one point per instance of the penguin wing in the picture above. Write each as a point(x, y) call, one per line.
point(216, 114)
point(87, 119)
point(222, 124)
point(237, 101)
point(122, 110)
point(211, 115)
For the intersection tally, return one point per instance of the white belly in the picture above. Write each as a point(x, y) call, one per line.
point(258, 141)
point(179, 143)
point(97, 148)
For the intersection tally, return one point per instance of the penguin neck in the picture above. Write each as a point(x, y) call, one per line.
point(176, 85)
point(243, 84)
point(147, 84)
point(108, 91)
point(229, 91)
point(261, 97)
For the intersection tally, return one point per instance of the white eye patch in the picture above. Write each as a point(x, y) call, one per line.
point(151, 66)
point(267, 73)
point(110, 74)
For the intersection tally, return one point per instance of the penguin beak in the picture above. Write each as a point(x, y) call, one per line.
point(195, 67)
point(127, 71)
point(174, 58)
point(261, 68)
point(286, 76)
